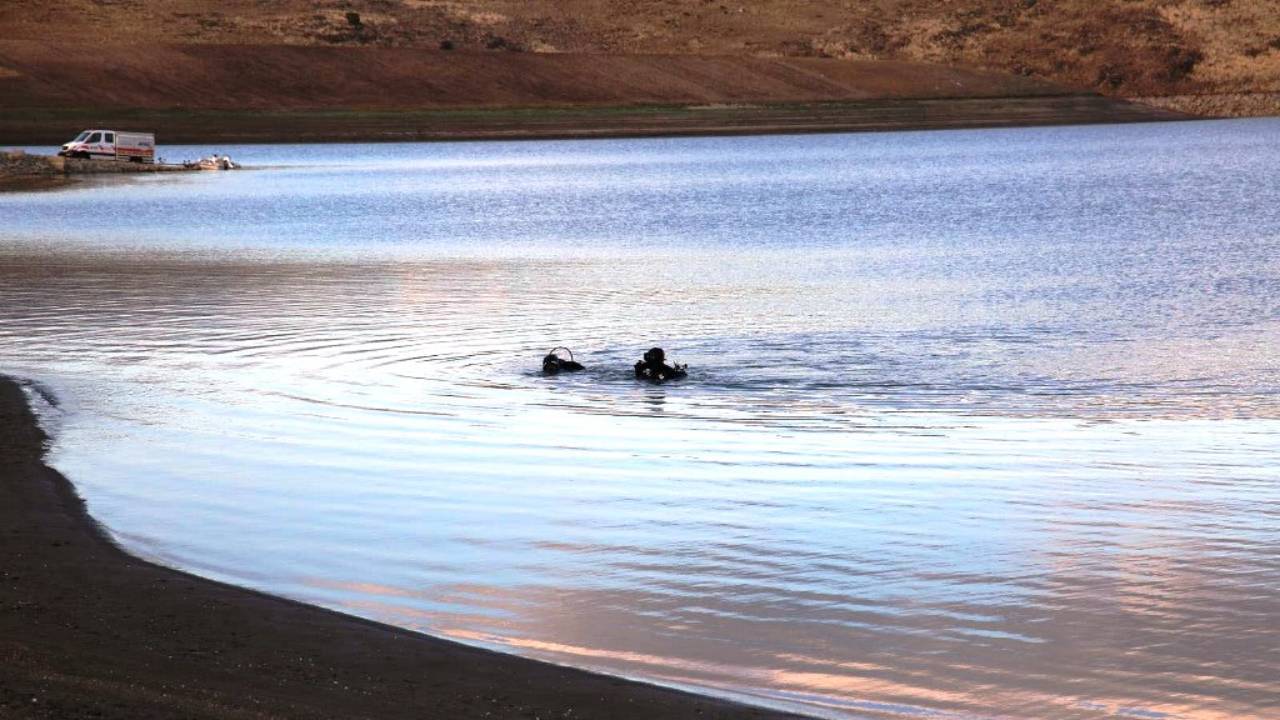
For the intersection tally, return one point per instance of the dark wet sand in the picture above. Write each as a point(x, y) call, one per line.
point(87, 631)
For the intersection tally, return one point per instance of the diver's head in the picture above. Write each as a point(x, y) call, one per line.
point(655, 355)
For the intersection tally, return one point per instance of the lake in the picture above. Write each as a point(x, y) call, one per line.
point(979, 424)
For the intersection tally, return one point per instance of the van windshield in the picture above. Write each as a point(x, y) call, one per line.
point(81, 137)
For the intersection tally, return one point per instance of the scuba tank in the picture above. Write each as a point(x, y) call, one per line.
point(554, 363)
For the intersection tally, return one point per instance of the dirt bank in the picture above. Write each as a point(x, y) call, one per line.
point(1229, 49)
point(210, 127)
point(88, 631)
point(275, 78)
point(198, 93)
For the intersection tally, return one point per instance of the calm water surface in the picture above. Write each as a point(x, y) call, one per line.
point(980, 424)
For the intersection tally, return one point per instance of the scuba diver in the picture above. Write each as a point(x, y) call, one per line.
point(654, 368)
point(553, 364)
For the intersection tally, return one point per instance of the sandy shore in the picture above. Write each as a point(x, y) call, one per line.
point(87, 631)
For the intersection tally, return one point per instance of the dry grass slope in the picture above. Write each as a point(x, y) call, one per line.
point(273, 77)
point(1219, 56)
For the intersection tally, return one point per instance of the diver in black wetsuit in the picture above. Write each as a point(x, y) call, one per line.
point(553, 364)
point(654, 368)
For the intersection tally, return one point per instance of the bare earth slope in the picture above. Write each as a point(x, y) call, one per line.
point(278, 77)
point(854, 64)
point(202, 93)
point(1214, 56)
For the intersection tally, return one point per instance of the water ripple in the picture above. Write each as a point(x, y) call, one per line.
point(979, 424)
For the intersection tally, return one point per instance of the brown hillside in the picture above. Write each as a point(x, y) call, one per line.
point(1127, 48)
point(271, 77)
point(198, 93)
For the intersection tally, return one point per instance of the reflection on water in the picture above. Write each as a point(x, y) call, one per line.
point(981, 424)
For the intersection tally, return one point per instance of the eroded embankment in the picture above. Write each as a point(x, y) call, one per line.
point(33, 126)
point(89, 631)
point(286, 93)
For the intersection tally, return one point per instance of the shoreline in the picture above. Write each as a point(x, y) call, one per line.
point(32, 127)
point(51, 126)
point(88, 630)
point(21, 171)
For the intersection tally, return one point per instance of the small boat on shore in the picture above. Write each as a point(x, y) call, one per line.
point(213, 162)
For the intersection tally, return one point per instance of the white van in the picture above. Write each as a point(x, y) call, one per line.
point(112, 145)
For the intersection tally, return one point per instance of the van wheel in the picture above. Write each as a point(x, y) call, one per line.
point(80, 155)
point(135, 159)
